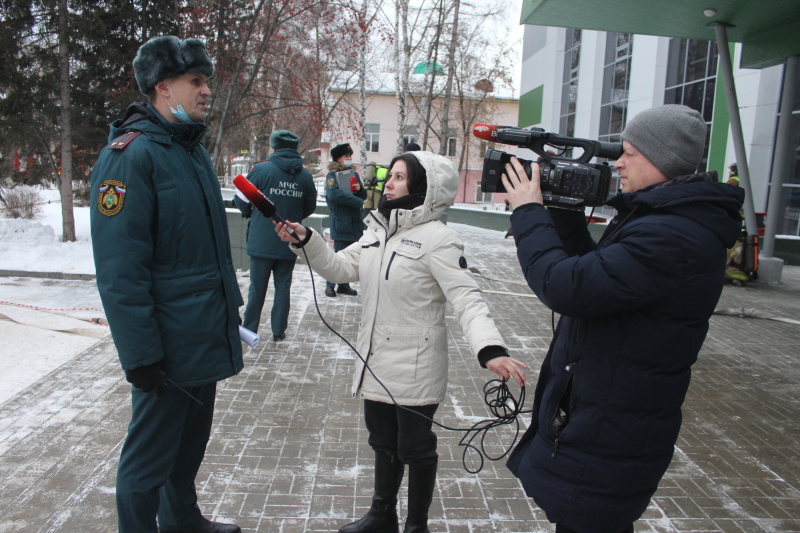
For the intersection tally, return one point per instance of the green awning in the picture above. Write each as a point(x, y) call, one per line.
point(428, 68)
point(768, 30)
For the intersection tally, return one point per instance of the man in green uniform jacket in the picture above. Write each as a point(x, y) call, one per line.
point(291, 188)
point(345, 210)
point(166, 279)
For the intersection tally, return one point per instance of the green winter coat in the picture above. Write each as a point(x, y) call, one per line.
point(291, 188)
point(162, 251)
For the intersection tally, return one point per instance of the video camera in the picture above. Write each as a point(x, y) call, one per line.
point(566, 182)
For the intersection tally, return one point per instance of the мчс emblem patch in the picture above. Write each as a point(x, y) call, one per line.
point(111, 197)
point(331, 182)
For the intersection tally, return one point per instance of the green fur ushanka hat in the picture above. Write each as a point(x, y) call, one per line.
point(166, 57)
point(281, 139)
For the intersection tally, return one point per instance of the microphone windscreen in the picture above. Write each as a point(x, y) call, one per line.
point(256, 197)
point(486, 132)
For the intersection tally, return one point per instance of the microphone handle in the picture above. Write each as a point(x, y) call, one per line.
point(277, 218)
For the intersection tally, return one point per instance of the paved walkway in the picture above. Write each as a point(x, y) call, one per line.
point(288, 453)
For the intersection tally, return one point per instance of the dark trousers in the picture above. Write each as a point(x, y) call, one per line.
point(565, 529)
point(162, 453)
point(260, 270)
point(339, 245)
point(400, 433)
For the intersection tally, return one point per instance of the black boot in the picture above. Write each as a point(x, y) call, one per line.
point(382, 516)
point(347, 290)
point(421, 482)
point(206, 526)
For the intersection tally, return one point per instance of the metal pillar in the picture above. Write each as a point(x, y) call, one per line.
point(736, 126)
point(784, 154)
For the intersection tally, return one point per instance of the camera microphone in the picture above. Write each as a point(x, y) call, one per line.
point(487, 132)
point(261, 202)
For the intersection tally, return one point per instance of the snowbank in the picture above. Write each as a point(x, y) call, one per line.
point(35, 245)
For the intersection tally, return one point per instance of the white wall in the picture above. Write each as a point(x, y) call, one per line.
point(648, 73)
point(590, 92)
point(758, 92)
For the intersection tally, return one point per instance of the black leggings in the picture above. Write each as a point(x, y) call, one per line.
point(565, 529)
point(400, 433)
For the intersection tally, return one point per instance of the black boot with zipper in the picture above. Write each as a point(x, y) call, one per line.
point(421, 483)
point(382, 515)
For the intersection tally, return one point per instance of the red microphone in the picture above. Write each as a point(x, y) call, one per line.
point(261, 202)
point(487, 132)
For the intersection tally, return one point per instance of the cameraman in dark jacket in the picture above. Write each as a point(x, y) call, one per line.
point(634, 314)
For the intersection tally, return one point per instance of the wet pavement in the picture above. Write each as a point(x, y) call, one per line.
point(288, 452)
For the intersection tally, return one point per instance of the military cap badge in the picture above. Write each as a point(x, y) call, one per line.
point(111, 197)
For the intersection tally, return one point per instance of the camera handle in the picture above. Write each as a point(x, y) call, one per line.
point(536, 140)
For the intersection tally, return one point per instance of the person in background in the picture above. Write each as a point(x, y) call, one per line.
point(374, 180)
point(411, 147)
point(290, 187)
point(634, 314)
point(734, 265)
point(410, 266)
point(733, 175)
point(345, 210)
point(167, 283)
point(510, 230)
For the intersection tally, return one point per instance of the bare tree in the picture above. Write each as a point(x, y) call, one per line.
point(451, 67)
point(401, 67)
point(431, 70)
point(67, 216)
point(268, 67)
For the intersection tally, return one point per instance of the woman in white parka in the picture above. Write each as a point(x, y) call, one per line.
point(409, 265)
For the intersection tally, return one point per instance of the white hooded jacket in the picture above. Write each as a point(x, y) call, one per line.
point(409, 267)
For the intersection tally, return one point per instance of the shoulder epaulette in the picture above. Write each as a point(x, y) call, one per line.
point(123, 140)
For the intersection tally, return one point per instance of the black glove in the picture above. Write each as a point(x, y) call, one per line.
point(148, 378)
point(488, 353)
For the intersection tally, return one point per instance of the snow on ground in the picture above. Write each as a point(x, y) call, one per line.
point(44, 322)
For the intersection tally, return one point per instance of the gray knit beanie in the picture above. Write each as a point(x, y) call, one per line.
point(167, 57)
point(283, 139)
point(672, 137)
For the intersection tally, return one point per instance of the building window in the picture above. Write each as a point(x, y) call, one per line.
point(790, 193)
point(409, 134)
point(409, 139)
point(616, 82)
point(480, 196)
point(569, 87)
point(451, 146)
point(373, 133)
point(614, 99)
point(692, 78)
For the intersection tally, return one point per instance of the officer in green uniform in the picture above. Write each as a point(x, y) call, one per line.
point(291, 188)
point(345, 210)
point(166, 279)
